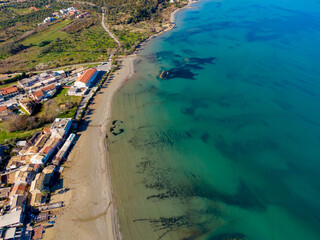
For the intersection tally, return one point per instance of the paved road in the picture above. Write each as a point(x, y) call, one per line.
point(72, 65)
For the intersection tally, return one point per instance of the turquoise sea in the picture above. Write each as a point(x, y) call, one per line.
point(227, 145)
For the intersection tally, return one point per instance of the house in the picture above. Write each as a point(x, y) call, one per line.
point(17, 202)
point(37, 233)
point(8, 178)
point(46, 92)
point(34, 9)
point(34, 168)
point(82, 15)
point(49, 19)
point(86, 79)
point(4, 192)
point(12, 219)
point(37, 158)
point(64, 150)
point(63, 11)
point(36, 198)
point(27, 104)
point(18, 189)
point(42, 141)
point(46, 130)
point(61, 127)
point(49, 172)
point(28, 82)
point(60, 73)
point(4, 112)
point(9, 92)
point(50, 148)
point(34, 138)
point(14, 162)
point(10, 234)
point(30, 151)
point(25, 176)
point(37, 95)
point(37, 183)
point(56, 14)
point(22, 143)
point(49, 91)
point(47, 153)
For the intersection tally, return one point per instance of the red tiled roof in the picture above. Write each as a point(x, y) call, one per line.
point(8, 90)
point(3, 108)
point(87, 75)
point(20, 189)
point(46, 130)
point(34, 8)
point(46, 149)
point(38, 94)
point(48, 88)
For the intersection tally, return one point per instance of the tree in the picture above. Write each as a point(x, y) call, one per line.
point(51, 110)
point(16, 123)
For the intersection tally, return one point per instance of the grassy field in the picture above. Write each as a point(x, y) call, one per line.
point(49, 34)
point(27, 46)
point(61, 98)
point(71, 41)
point(64, 48)
point(4, 135)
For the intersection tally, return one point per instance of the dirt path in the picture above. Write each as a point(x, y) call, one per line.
point(107, 30)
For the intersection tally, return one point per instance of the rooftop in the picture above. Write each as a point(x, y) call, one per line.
point(18, 189)
point(49, 88)
point(10, 233)
point(11, 218)
point(86, 76)
point(3, 108)
point(38, 94)
point(37, 233)
point(46, 130)
point(60, 123)
point(4, 192)
point(8, 90)
point(46, 149)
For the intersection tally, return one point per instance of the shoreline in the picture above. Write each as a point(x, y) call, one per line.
point(169, 28)
point(87, 173)
point(103, 223)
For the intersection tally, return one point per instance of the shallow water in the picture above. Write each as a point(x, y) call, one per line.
point(227, 146)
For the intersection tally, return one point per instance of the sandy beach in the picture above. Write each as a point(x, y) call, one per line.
point(90, 212)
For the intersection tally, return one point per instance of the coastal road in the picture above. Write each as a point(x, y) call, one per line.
point(66, 66)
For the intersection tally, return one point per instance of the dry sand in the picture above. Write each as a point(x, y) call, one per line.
point(90, 212)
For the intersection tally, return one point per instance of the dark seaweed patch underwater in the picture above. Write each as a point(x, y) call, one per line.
point(222, 128)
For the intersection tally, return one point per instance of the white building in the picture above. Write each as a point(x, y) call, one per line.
point(60, 127)
point(12, 219)
point(85, 80)
point(37, 159)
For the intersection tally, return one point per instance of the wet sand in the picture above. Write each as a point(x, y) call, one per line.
point(90, 211)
